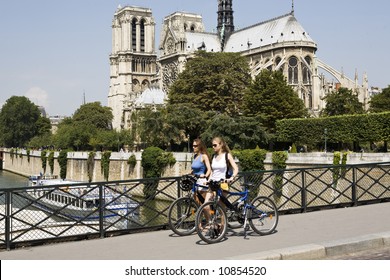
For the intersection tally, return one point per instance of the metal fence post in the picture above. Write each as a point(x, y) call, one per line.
point(303, 191)
point(101, 211)
point(354, 190)
point(8, 220)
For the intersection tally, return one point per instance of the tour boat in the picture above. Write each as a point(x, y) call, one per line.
point(71, 200)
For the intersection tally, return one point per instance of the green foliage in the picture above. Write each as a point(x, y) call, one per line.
point(278, 162)
point(24, 119)
point(89, 128)
point(90, 165)
point(63, 162)
point(154, 161)
point(343, 163)
point(182, 120)
point(94, 115)
point(336, 168)
point(212, 82)
point(342, 102)
point(251, 159)
point(105, 164)
point(238, 132)
point(381, 102)
point(151, 128)
point(270, 97)
point(132, 162)
point(293, 149)
point(28, 151)
point(12, 154)
point(50, 160)
point(340, 129)
point(44, 160)
point(279, 159)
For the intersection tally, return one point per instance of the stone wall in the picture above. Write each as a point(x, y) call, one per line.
point(120, 170)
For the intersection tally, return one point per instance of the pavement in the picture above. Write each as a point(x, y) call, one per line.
point(307, 236)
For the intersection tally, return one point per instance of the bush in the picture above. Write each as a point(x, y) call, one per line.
point(154, 160)
point(278, 162)
point(63, 162)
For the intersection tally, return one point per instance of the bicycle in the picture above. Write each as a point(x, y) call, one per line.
point(181, 213)
point(213, 220)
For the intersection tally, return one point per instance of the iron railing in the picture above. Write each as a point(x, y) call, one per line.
point(101, 209)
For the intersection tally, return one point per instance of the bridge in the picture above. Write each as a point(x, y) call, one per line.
point(321, 209)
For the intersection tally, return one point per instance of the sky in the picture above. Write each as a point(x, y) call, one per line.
point(56, 52)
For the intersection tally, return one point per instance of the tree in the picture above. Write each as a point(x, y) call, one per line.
point(381, 102)
point(82, 131)
point(95, 115)
point(271, 98)
point(239, 132)
point(20, 121)
point(183, 120)
point(212, 82)
point(342, 102)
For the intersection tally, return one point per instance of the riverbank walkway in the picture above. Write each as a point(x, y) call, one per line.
point(313, 235)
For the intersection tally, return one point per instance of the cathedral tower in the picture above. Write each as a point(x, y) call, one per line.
point(225, 19)
point(132, 61)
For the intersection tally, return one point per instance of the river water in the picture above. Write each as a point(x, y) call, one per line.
point(11, 180)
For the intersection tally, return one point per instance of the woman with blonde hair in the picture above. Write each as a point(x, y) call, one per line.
point(222, 161)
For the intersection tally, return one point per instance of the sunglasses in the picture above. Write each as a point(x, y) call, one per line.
point(215, 145)
point(194, 146)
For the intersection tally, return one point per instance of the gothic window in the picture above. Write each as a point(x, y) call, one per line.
point(134, 34)
point(293, 70)
point(136, 86)
point(142, 35)
point(143, 65)
point(310, 101)
point(192, 28)
point(306, 71)
point(145, 84)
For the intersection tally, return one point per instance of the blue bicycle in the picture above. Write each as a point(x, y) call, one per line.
point(181, 213)
point(214, 217)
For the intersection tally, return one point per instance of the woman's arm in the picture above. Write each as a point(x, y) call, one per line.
point(233, 164)
point(206, 161)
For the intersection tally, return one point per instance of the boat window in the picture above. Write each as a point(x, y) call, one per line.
point(89, 203)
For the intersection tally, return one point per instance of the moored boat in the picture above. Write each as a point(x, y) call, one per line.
point(79, 201)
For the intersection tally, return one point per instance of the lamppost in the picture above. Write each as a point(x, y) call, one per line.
point(325, 132)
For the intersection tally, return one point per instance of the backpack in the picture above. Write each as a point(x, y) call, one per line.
point(229, 169)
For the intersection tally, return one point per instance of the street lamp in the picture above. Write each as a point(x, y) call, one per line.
point(325, 132)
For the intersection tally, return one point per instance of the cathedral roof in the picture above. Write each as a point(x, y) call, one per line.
point(283, 29)
point(202, 41)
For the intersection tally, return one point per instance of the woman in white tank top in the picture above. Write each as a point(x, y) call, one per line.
point(218, 164)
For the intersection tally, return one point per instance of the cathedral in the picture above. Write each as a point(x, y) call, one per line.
point(140, 78)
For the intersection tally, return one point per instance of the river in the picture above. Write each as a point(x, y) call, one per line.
point(11, 180)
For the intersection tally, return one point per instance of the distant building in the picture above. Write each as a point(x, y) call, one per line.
point(55, 121)
point(278, 44)
point(42, 111)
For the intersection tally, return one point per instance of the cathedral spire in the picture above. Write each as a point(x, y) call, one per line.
point(292, 7)
point(225, 19)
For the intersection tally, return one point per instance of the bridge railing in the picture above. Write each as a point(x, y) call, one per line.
point(44, 214)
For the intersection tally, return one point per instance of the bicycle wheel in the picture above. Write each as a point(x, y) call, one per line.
point(181, 216)
point(263, 215)
point(211, 222)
